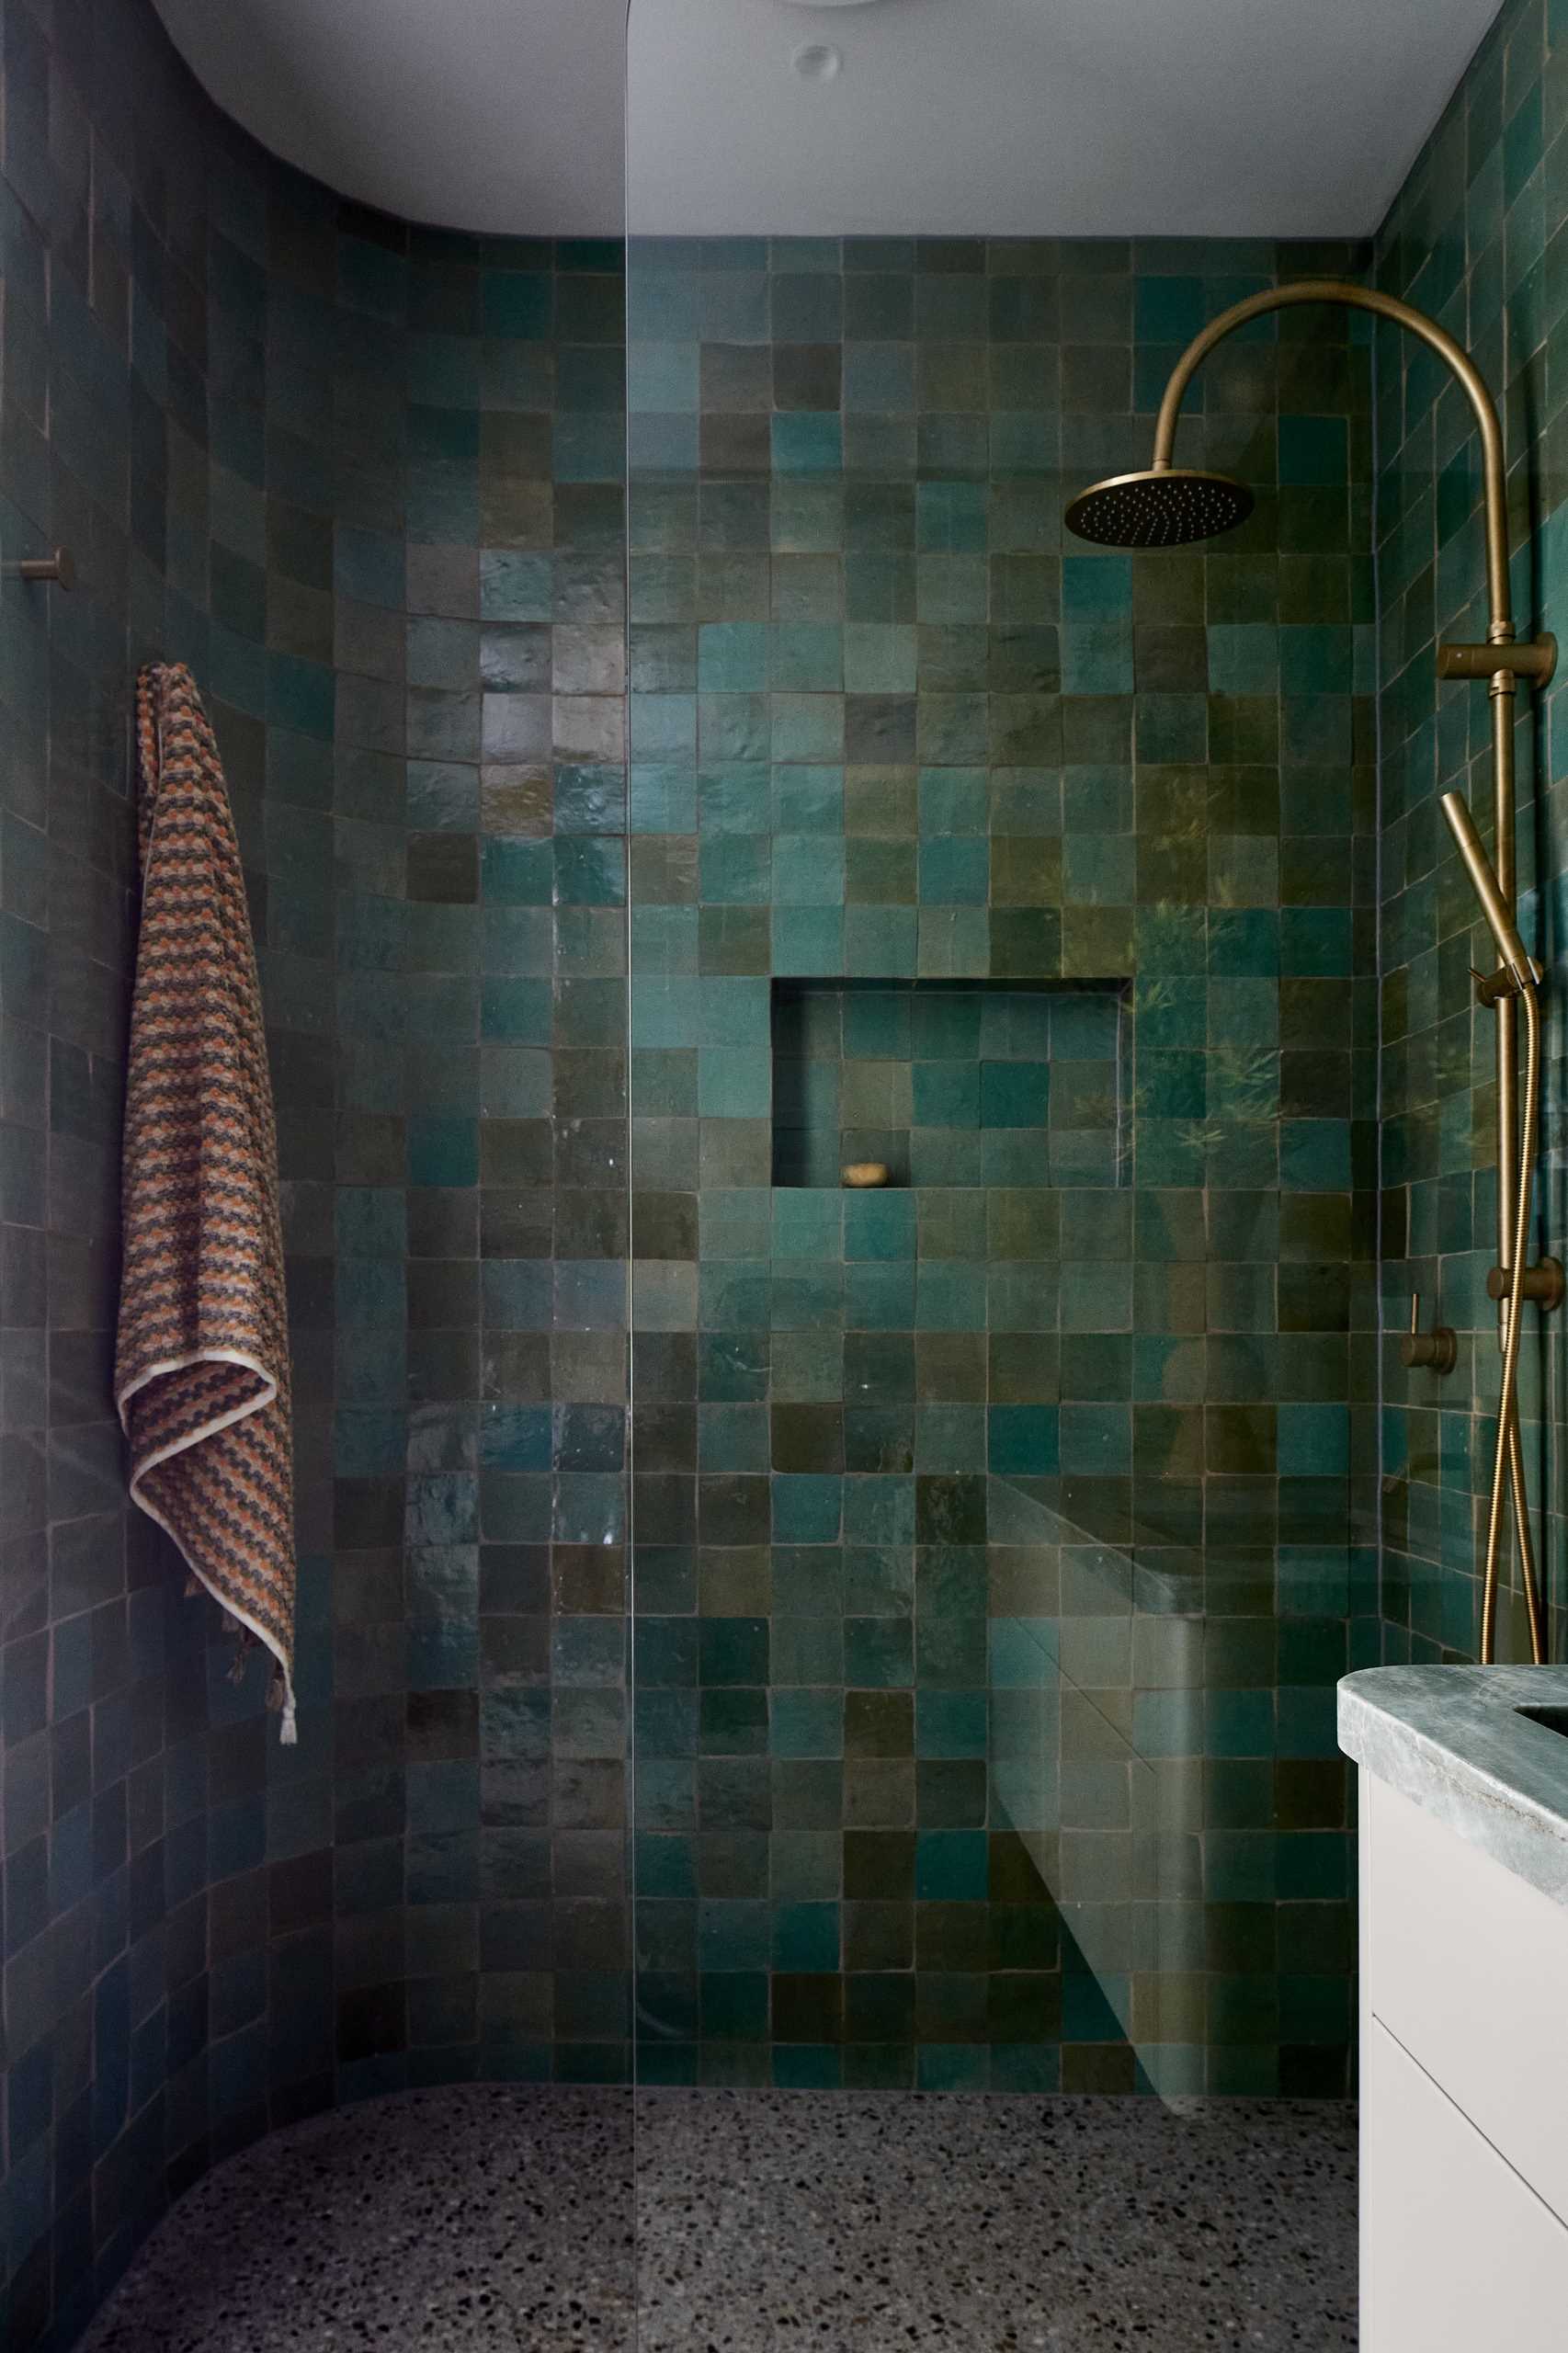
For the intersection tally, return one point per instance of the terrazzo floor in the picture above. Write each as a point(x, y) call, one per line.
point(492, 2219)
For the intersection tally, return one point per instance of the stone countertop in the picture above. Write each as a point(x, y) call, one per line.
point(1452, 1740)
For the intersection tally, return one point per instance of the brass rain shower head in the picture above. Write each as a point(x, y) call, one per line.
point(1167, 507)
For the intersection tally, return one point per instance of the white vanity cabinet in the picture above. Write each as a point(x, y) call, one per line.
point(1464, 2048)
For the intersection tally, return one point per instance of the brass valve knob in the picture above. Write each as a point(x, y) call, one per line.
point(1434, 1351)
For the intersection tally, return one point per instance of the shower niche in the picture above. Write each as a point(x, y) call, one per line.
point(951, 1084)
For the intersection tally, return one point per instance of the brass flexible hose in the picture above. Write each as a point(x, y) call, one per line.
point(1527, 1543)
point(1507, 1401)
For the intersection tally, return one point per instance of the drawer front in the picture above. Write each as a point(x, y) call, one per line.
point(1467, 1967)
point(1458, 2255)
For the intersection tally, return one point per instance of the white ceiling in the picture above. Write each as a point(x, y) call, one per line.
point(501, 115)
point(1063, 118)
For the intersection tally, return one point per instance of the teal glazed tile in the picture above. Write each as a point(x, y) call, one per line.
point(945, 1094)
point(1312, 450)
point(804, 443)
point(1014, 1093)
point(950, 1865)
point(1096, 588)
point(517, 303)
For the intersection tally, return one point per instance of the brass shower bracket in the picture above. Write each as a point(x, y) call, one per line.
point(1491, 988)
point(1534, 660)
point(1544, 1283)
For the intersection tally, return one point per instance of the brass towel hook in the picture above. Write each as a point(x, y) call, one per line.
point(58, 570)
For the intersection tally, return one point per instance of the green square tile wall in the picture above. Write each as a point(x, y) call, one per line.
point(1477, 236)
point(886, 725)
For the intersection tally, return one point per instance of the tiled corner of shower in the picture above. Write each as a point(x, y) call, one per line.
point(1478, 230)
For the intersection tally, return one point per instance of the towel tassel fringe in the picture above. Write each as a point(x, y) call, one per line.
point(280, 1697)
point(280, 1702)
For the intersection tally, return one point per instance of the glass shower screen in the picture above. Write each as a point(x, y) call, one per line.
point(913, 1673)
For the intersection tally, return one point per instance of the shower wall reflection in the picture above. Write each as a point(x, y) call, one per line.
point(1000, 1537)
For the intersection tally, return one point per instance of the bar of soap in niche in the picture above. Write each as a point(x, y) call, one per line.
point(865, 1172)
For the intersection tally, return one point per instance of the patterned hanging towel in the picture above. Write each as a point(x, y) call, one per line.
point(201, 1368)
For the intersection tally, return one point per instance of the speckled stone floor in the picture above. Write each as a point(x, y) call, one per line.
point(492, 2220)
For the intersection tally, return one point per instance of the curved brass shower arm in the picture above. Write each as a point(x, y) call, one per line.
point(1383, 306)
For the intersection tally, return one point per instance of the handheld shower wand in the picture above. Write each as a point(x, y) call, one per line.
point(1482, 874)
point(1170, 505)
